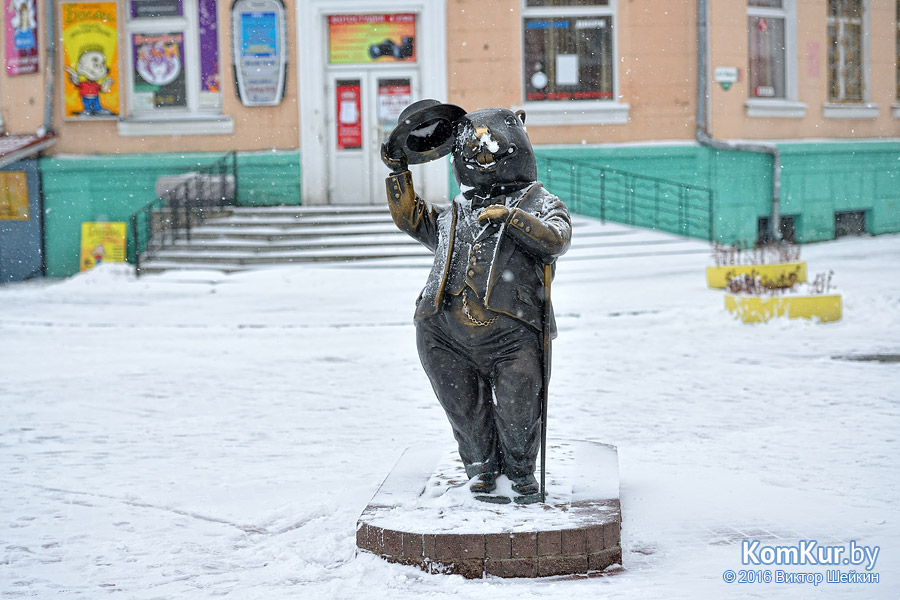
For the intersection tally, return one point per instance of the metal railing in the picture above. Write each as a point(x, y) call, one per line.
point(180, 205)
point(629, 198)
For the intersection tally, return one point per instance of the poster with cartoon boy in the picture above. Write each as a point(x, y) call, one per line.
point(89, 60)
point(91, 78)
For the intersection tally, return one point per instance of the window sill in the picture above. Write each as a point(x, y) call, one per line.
point(850, 111)
point(574, 112)
point(777, 109)
point(895, 111)
point(176, 125)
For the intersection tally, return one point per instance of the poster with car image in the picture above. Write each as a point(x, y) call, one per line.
point(159, 80)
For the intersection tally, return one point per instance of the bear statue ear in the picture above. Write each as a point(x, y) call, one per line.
point(521, 115)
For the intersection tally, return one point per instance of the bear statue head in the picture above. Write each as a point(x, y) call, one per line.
point(491, 147)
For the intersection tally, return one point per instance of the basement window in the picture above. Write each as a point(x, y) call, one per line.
point(849, 223)
point(788, 230)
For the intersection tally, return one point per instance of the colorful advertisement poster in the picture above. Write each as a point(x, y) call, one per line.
point(102, 242)
point(159, 80)
point(210, 94)
point(371, 38)
point(13, 196)
point(259, 34)
point(90, 60)
point(21, 37)
point(349, 121)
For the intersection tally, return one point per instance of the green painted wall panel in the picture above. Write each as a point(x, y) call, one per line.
point(817, 180)
point(113, 187)
point(269, 179)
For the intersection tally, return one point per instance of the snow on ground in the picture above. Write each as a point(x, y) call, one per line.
point(202, 435)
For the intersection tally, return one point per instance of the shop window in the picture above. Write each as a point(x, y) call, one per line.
point(849, 223)
point(569, 55)
point(846, 60)
point(772, 59)
point(173, 53)
point(766, 25)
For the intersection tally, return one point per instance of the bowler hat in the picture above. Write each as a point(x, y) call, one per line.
point(424, 131)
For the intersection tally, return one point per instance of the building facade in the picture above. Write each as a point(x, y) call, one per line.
point(792, 126)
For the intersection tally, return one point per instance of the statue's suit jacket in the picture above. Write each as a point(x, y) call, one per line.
point(536, 232)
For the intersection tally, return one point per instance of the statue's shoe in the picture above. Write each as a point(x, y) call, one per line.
point(525, 486)
point(484, 483)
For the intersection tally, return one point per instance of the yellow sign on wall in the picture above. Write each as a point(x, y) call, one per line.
point(102, 242)
point(90, 60)
point(13, 196)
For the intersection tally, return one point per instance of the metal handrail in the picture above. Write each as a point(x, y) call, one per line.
point(165, 220)
point(631, 198)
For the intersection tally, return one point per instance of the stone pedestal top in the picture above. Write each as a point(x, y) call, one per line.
point(424, 515)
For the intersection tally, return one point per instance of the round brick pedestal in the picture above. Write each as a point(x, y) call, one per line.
point(424, 515)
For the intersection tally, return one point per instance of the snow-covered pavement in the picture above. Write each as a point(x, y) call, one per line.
point(205, 435)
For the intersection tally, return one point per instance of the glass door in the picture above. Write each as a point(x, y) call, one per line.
point(363, 110)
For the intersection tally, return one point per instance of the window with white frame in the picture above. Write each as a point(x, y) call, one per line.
point(173, 53)
point(768, 28)
point(568, 50)
point(846, 59)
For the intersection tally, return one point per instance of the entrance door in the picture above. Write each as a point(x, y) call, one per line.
point(363, 109)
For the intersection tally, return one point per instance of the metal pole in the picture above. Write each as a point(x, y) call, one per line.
point(603, 196)
point(135, 241)
point(548, 276)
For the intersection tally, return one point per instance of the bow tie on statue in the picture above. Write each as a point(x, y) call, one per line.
point(496, 195)
point(479, 202)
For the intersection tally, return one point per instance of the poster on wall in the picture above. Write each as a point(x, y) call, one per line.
point(21, 37)
point(102, 242)
point(349, 115)
point(393, 96)
point(210, 86)
point(90, 60)
point(13, 196)
point(371, 38)
point(159, 79)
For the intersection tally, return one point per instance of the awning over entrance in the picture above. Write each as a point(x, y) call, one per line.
point(17, 147)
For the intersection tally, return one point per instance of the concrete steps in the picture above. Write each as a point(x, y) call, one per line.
point(251, 238)
point(243, 238)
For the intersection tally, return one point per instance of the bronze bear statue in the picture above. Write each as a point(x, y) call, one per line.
point(482, 326)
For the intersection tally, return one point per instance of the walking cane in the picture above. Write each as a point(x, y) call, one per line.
point(545, 377)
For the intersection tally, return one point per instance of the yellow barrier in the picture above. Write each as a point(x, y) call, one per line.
point(717, 277)
point(754, 309)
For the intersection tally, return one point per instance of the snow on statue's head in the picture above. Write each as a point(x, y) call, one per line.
point(492, 147)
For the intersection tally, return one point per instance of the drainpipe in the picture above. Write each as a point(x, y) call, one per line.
point(703, 137)
point(50, 69)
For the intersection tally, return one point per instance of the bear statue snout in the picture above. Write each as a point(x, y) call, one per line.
point(484, 147)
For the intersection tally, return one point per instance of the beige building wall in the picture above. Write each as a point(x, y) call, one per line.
point(255, 128)
point(656, 77)
point(728, 42)
point(657, 64)
point(656, 68)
